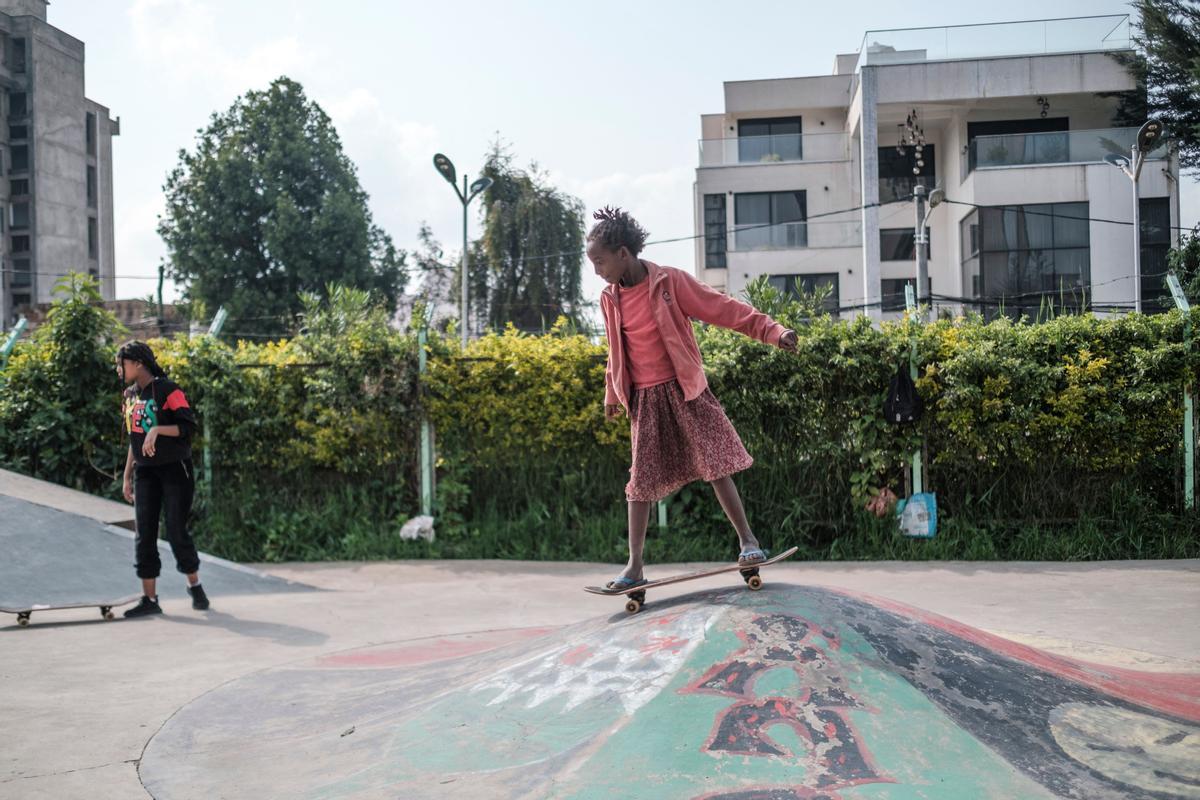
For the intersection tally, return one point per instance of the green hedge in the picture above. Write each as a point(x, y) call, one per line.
point(1060, 440)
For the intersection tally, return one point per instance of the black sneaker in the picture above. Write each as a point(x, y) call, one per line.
point(144, 609)
point(199, 598)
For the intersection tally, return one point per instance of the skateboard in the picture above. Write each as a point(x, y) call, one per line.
point(106, 608)
point(637, 594)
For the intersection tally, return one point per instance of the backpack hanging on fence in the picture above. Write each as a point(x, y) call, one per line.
point(903, 404)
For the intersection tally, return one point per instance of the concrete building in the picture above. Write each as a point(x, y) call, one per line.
point(56, 149)
point(810, 180)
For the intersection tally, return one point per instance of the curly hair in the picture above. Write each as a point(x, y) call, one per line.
point(616, 229)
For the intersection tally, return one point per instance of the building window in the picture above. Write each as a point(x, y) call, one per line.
point(91, 186)
point(714, 231)
point(1154, 217)
point(1018, 259)
point(89, 125)
point(18, 132)
point(22, 274)
point(18, 186)
point(93, 239)
point(16, 55)
point(20, 244)
point(899, 244)
point(799, 286)
point(896, 176)
point(21, 300)
point(893, 292)
point(775, 139)
point(18, 104)
point(770, 220)
point(20, 216)
point(20, 158)
point(1006, 142)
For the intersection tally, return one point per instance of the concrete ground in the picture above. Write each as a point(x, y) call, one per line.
point(82, 697)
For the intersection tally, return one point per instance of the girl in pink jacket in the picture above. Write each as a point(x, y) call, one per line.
point(680, 432)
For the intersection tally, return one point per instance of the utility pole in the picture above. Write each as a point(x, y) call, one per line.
point(465, 195)
point(1147, 139)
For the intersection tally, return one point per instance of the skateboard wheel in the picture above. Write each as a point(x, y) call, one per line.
point(107, 613)
point(23, 621)
point(633, 606)
point(754, 582)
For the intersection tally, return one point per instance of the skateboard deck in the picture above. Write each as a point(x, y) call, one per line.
point(637, 594)
point(106, 606)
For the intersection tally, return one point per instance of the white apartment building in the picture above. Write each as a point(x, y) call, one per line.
point(810, 180)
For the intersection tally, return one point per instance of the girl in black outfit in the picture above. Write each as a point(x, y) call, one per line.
point(158, 471)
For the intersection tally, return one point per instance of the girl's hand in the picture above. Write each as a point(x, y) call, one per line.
point(788, 340)
point(612, 411)
point(127, 489)
point(148, 445)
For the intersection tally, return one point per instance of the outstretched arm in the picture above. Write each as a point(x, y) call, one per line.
point(702, 302)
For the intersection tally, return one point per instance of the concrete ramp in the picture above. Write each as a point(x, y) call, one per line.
point(791, 693)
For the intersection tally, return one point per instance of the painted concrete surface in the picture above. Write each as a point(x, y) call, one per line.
point(51, 557)
point(792, 693)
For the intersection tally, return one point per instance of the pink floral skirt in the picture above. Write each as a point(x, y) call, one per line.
point(676, 442)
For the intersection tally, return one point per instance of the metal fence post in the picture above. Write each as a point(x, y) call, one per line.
point(918, 483)
point(426, 443)
point(1189, 442)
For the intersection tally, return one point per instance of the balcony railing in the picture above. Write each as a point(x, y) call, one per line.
point(796, 235)
point(783, 147)
point(1065, 147)
point(995, 40)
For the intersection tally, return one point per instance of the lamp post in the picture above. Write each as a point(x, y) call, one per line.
point(922, 241)
point(1147, 139)
point(446, 167)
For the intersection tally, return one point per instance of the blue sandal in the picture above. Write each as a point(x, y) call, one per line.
point(621, 583)
point(755, 555)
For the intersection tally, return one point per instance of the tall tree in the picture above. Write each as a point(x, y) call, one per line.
point(532, 248)
point(268, 206)
point(1166, 66)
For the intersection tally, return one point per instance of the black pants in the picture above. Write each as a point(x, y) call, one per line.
point(159, 488)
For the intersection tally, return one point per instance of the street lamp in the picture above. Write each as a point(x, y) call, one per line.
point(921, 241)
point(1148, 137)
point(446, 167)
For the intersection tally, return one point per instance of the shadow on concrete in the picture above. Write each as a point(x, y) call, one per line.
point(276, 632)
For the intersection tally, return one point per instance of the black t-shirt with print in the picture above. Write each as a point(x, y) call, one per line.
point(160, 402)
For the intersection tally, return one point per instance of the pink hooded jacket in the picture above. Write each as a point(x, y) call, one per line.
point(675, 299)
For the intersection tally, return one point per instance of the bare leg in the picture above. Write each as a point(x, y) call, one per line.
point(193, 578)
point(731, 501)
point(148, 587)
point(639, 516)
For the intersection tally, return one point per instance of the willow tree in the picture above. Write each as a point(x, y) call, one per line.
point(532, 248)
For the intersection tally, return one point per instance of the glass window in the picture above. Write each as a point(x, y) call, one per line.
point(20, 215)
point(1154, 216)
point(893, 294)
point(18, 104)
point(899, 244)
point(770, 220)
point(800, 285)
point(16, 55)
point(20, 158)
point(1031, 255)
point(776, 139)
point(22, 274)
point(89, 124)
point(714, 231)
point(93, 239)
point(896, 176)
point(18, 186)
point(20, 244)
point(17, 132)
point(91, 186)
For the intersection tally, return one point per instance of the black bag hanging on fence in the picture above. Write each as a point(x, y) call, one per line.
point(903, 404)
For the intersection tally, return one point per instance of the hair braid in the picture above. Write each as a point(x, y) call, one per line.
point(616, 229)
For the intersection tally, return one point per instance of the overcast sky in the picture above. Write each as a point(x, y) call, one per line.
point(605, 96)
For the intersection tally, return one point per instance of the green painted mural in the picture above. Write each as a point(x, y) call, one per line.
point(792, 693)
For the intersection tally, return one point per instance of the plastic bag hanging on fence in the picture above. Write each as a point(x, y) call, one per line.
point(918, 515)
point(903, 404)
